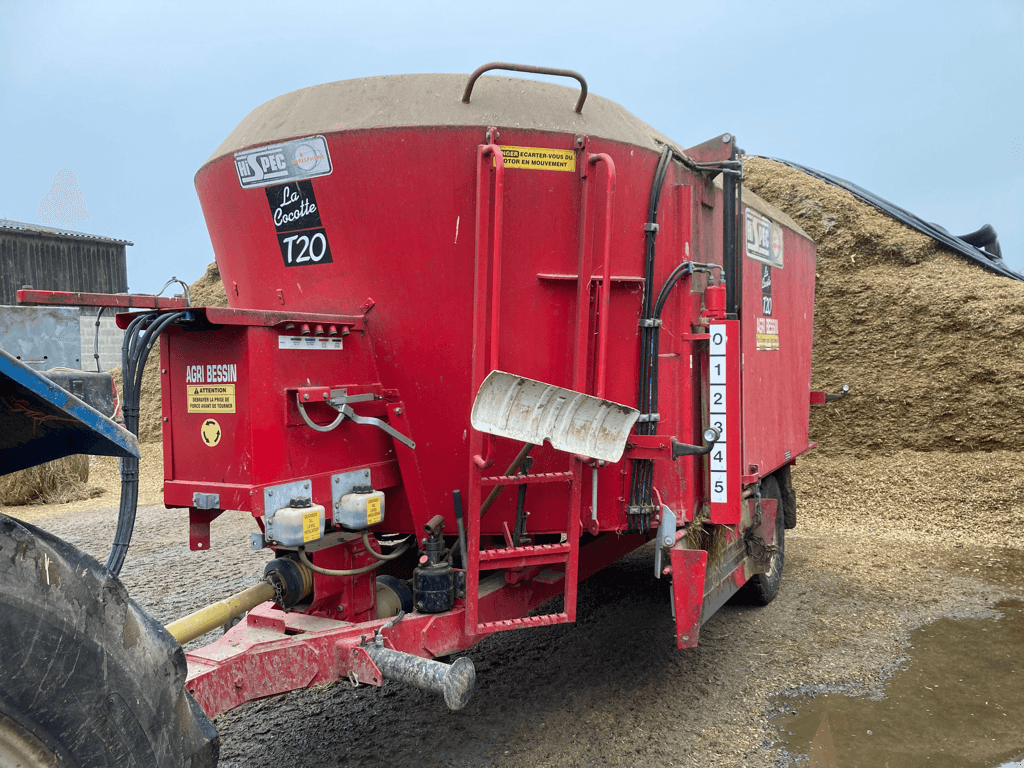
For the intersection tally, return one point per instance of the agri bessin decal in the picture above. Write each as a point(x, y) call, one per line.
point(300, 233)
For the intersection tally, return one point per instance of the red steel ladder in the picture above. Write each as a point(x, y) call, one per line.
point(524, 562)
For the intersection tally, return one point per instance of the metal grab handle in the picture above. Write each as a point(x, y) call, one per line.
point(831, 398)
point(606, 273)
point(527, 68)
point(711, 436)
point(484, 151)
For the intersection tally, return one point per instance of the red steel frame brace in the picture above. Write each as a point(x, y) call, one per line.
point(272, 651)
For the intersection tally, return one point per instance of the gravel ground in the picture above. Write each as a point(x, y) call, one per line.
point(612, 690)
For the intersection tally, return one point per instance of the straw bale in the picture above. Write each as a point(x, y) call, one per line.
point(55, 482)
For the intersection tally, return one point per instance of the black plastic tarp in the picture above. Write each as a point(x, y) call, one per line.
point(977, 255)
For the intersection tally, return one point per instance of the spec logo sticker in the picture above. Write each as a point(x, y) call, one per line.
point(291, 160)
point(764, 239)
point(211, 432)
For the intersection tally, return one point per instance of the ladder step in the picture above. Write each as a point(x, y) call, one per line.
point(544, 477)
point(524, 557)
point(527, 621)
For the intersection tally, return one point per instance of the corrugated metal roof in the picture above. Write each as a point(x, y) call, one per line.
point(37, 229)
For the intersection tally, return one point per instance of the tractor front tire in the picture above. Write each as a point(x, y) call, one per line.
point(87, 679)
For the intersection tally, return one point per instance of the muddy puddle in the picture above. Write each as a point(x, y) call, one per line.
point(957, 702)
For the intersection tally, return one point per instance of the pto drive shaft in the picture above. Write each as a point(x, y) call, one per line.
point(285, 581)
point(217, 615)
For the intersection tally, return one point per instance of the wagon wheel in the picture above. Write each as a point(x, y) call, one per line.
point(86, 677)
point(761, 588)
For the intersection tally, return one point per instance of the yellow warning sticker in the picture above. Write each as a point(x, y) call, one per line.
point(539, 158)
point(211, 398)
point(310, 525)
point(210, 432)
point(767, 336)
point(373, 515)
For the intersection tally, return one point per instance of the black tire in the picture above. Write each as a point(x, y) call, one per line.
point(785, 479)
point(87, 679)
point(762, 588)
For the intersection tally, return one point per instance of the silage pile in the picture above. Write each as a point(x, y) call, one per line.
point(208, 290)
point(930, 439)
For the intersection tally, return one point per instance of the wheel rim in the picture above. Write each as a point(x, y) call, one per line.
point(22, 748)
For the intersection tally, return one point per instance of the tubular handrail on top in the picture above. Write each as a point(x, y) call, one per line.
point(533, 70)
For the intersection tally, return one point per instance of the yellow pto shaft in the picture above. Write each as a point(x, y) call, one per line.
point(217, 615)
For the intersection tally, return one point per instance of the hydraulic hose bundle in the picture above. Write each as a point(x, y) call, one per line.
point(139, 340)
point(641, 503)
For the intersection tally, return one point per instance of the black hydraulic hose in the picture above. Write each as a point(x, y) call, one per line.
point(651, 231)
point(152, 334)
point(643, 469)
point(738, 243)
point(134, 353)
point(127, 378)
point(646, 360)
point(652, 219)
point(129, 464)
point(686, 268)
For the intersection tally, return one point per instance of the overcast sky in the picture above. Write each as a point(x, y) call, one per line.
point(919, 102)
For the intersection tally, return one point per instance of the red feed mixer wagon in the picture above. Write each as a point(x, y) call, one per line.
point(485, 337)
